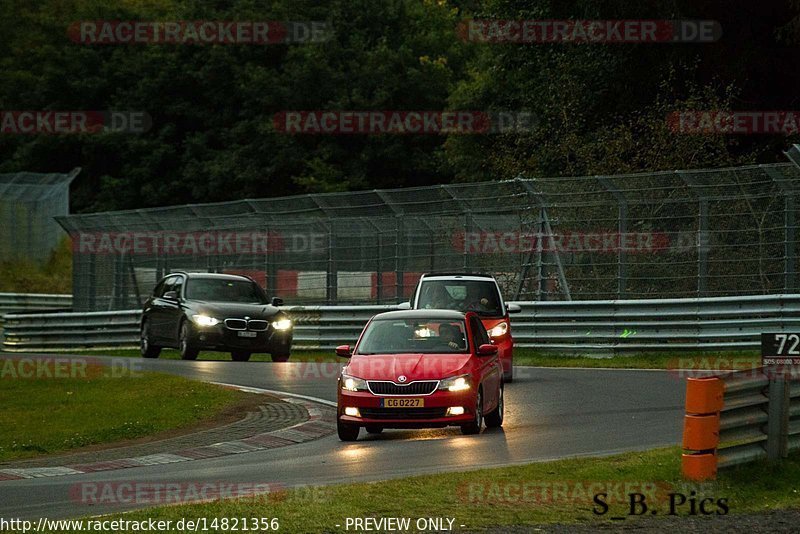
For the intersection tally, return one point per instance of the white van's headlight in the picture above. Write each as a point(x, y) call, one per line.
point(498, 330)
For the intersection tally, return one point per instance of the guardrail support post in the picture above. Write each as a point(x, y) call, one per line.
point(778, 423)
point(704, 401)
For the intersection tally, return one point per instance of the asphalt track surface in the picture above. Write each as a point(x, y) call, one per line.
point(550, 413)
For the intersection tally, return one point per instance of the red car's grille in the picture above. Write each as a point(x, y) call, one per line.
point(422, 387)
point(402, 413)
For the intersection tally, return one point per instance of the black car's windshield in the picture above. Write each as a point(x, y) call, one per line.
point(414, 336)
point(224, 290)
point(478, 296)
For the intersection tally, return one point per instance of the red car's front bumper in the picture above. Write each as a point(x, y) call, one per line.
point(432, 414)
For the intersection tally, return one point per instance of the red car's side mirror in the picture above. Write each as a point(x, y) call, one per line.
point(344, 351)
point(487, 350)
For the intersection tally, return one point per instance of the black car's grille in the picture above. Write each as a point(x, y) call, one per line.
point(423, 387)
point(402, 413)
point(256, 325)
point(236, 324)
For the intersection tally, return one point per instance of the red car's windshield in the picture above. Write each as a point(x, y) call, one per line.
point(414, 336)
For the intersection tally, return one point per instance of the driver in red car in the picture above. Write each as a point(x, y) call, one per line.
point(450, 336)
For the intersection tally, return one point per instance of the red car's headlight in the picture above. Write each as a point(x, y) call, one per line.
point(455, 383)
point(351, 383)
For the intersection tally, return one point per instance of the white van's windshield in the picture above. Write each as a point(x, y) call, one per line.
point(477, 296)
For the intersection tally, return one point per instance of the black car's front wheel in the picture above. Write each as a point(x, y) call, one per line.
point(148, 349)
point(188, 351)
point(240, 356)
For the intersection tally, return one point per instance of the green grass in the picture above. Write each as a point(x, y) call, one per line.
point(647, 360)
point(49, 415)
point(478, 499)
point(652, 360)
point(54, 276)
point(172, 354)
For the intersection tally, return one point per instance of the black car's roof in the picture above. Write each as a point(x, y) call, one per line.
point(421, 314)
point(216, 276)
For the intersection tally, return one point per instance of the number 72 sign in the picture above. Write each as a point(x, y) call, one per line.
point(780, 349)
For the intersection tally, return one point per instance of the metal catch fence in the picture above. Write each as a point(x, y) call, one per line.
point(28, 203)
point(677, 234)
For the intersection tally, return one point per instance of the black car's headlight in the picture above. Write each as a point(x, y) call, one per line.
point(282, 324)
point(204, 320)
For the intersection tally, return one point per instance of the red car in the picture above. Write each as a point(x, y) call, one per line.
point(475, 292)
point(420, 369)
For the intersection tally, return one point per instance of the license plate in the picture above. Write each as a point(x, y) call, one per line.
point(248, 334)
point(402, 403)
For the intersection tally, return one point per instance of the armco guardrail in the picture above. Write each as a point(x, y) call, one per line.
point(655, 324)
point(42, 331)
point(316, 327)
point(19, 302)
point(739, 418)
point(605, 326)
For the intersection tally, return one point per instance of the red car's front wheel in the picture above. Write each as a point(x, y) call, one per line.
point(347, 432)
point(494, 419)
point(475, 426)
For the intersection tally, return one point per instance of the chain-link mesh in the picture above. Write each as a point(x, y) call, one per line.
point(28, 203)
point(667, 234)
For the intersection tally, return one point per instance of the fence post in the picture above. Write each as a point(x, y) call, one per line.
point(789, 247)
point(703, 239)
point(332, 272)
point(704, 401)
point(778, 414)
point(622, 229)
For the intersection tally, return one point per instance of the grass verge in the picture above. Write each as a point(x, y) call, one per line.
point(88, 406)
point(652, 360)
point(54, 276)
point(540, 493)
